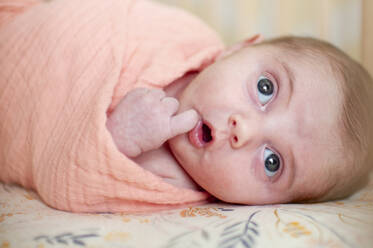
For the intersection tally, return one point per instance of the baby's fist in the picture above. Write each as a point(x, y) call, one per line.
point(145, 119)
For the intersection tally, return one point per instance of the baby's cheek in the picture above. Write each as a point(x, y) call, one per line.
point(220, 182)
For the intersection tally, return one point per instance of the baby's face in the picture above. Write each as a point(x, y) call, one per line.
point(273, 122)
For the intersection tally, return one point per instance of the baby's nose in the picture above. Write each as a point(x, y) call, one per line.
point(241, 131)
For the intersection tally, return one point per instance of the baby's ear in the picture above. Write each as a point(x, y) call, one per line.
point(235, 47)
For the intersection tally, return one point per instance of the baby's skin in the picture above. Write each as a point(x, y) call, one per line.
point(142, 123)
point(256, 127)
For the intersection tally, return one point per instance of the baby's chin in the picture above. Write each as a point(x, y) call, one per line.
point(185, 154)
point(176, 147)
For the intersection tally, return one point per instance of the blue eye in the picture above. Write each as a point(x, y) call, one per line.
point(265, 89)
point(271, 163)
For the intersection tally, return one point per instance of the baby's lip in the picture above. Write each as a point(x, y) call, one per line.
point(202, 134)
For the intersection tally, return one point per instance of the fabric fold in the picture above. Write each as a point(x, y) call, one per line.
point(65, 65)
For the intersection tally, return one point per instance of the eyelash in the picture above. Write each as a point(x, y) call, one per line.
point(275, 90)
point(279, 172)
point(263, 107)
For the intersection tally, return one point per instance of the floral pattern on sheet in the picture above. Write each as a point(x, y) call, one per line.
point(26, 222)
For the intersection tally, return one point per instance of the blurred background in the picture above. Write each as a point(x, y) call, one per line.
point(347, 24)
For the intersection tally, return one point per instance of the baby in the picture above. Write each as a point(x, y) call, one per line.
point(107, 106)
point(273, 121)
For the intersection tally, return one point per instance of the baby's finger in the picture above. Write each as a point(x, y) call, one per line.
point(183, 122)
point(171, 105)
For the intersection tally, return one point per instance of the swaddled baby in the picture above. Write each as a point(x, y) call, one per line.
point(269, 122)
point(109, 106)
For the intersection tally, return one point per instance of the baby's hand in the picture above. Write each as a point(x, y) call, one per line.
point(145, 119)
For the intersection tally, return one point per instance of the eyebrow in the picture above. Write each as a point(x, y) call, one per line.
point(291, 77)
point(292, 164)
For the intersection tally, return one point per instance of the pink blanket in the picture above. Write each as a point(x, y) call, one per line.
point(64, 64)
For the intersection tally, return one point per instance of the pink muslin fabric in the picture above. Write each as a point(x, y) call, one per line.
point(64, 65)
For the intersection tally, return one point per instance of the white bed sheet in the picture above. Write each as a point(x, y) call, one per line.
point(26, 222)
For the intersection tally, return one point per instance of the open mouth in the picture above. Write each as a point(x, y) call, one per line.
point(201, 134)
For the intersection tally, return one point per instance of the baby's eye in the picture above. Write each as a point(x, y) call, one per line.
point(265, 89)
point(271, 163)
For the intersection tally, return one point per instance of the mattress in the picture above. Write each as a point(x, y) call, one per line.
point(25, 221)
